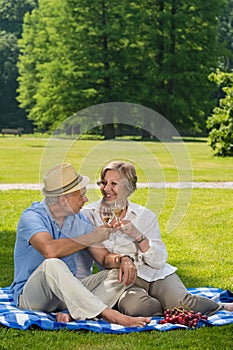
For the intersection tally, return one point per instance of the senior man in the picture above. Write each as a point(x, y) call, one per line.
point(49, 233)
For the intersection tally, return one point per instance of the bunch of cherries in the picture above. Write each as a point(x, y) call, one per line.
point(182, 316)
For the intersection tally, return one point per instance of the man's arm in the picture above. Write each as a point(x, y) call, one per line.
point(58, 248)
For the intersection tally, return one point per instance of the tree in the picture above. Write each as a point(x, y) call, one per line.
point(11, 17)
point(225, 37)
point(220, 123)
point(81, 60)
point(155, 53)
point(47, 64)
point(182, 44)
point(8, 73)
point(34, 46)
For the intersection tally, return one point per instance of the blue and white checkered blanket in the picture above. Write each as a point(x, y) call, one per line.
point(11, 316)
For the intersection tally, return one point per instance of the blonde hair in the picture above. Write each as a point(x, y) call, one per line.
point(127, 172)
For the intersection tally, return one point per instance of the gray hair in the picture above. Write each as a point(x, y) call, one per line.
point(127, 172)
point(51, 200)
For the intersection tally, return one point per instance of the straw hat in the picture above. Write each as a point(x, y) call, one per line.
point(63, 179)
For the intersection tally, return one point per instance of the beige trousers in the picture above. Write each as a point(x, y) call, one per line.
point(152, 298)
point(52, 287)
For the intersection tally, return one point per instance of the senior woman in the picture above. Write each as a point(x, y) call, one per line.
point(137, 238)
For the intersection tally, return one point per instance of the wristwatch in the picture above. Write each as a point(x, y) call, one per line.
point(126, 256)
point(142, 238)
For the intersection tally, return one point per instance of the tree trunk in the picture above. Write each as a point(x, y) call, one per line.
point(108, 125)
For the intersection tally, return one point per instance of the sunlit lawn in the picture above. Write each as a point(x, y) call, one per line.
point(201, 247)
point(199, 242)
point(25, 159)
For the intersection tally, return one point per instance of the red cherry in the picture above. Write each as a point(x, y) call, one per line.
point(204, 317)
point(162, 322)
point(180, 318)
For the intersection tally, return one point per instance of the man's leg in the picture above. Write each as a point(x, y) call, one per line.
point(105, 286)
point(52, 282)
point(52, 287)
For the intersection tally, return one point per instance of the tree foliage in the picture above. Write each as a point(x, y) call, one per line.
point(225, 37)
point(11, 18)
point(75, 54)
point(184, 53)
point(220, 122)
point(82, 61)
point(8, 72)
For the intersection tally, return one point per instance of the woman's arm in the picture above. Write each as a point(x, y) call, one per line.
point(127, 270)
point(145, 232)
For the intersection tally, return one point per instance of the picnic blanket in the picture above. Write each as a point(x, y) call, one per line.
point(12, 317)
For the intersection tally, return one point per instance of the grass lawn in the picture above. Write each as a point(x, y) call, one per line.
point(154, 161)
point(200, 245)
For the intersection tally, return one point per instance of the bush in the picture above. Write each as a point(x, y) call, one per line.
point(220, 123)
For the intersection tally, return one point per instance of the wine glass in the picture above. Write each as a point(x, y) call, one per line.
point(118, 208)
point(106, 214)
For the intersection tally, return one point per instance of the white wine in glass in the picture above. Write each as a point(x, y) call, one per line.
point(106, 214)
point(118, 209)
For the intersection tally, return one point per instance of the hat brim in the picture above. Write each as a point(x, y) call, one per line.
point(83, 183)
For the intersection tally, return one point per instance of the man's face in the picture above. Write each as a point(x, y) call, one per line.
point(73, 202)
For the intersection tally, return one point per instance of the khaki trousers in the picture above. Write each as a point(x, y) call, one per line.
point(52, 287)
point(152, 298)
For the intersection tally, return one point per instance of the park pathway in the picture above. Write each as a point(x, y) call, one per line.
point(178, 185)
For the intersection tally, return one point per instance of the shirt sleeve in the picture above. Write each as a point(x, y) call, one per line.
point(31, 223)
point(92, 215)
point(156, 256)
point(147, 223)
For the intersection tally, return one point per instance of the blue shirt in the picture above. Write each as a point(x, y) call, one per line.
point(37, 218)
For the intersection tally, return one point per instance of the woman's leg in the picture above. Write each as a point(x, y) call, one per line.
point(135, 301)
point(171, 292)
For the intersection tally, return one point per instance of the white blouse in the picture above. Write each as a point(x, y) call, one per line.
point(151, 265)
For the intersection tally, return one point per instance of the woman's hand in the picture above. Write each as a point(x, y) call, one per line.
point(129, 229)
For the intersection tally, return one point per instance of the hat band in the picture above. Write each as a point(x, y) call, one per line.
point(66, 188)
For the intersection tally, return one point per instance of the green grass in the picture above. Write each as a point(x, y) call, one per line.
point(217, 338)
point(200, 244)
point(201, 247)
point(24, 158)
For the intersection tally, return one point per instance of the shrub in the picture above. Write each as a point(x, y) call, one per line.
point(220, 123)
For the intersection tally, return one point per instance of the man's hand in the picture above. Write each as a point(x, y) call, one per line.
point(127, 271)
point(98, 235)
point(102, 233)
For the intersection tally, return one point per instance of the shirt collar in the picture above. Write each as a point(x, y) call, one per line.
point(67, 218)
point(45, 205)
point(134, 208)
